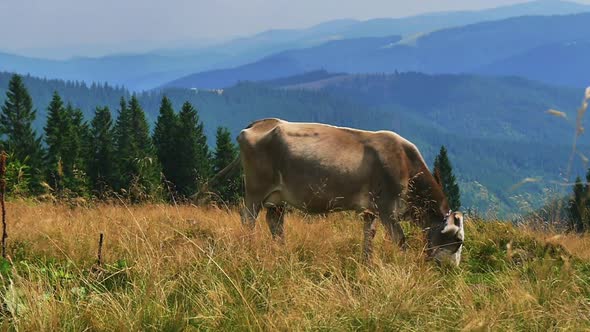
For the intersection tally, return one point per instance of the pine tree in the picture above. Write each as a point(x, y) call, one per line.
point(101, 164)
point(55, 139)
point(16, 125)
point(122, 140)
point(229, 189)
point(443, 172)
point(77, 152)
point(193, 157)
point(66, 135)
point(165, 142)
point(139, 170)
point(578, 207)
point(139, 127)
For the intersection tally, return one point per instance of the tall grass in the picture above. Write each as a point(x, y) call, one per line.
point(170, 268)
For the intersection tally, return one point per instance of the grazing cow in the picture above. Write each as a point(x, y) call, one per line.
point(320, 168)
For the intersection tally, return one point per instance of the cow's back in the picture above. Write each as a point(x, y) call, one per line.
point(320, 167)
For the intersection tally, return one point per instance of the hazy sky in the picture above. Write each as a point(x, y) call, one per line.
point(85, 27)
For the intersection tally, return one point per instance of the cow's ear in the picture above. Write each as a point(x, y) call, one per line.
point(458, 219)
point(453, 224)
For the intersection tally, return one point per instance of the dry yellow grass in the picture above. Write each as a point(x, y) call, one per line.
point(172, 268)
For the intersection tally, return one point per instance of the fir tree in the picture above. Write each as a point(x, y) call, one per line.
point(229, 189)
point(101, 164)
point(193, 157)
point(578, 207)
point(139, 128)
point(443, 172)
point(139, 169)
point(165, 141)
point(66, 135)
point(77, 151)
point(16, 125)
point(122, 140)
point(55, 139)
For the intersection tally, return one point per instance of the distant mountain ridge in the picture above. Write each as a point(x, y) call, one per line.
point(342, 54)
point(564, 63)
point(139, 72)
point(257, 46)
point(494, 48)
point(146, 71)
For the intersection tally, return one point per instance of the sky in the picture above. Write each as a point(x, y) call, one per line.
point(65, 28)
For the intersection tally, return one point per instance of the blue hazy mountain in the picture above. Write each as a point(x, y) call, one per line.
point(436, 21)
point(268, 42)
point(561, 63)
point(341, 54)
point(145, 71)
point(135, 71)
point(495, 47)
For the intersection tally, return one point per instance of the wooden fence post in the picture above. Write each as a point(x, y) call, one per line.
point(2, 200)
point(99, 259)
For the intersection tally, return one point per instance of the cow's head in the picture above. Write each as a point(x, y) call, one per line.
point(445, 240)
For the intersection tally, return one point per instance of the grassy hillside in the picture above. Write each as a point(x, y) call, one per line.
point(168, 268)
point(464, 49)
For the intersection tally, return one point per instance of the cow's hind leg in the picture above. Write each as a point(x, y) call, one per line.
point(369, 231)
point(250, 212)
point(275, 217)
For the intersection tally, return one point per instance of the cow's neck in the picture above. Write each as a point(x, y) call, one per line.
point(427, 202)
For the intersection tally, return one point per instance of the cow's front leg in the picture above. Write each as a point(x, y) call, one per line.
point(275, 217)
point(369, 231)
point(390, 217)
point(249, 213)
point(395, 233)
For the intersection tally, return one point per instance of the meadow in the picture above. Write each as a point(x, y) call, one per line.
point(181, 267)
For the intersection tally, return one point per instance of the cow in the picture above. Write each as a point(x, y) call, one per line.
point(319, 168)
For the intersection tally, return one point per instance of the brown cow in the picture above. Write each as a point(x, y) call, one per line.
point(320, 168)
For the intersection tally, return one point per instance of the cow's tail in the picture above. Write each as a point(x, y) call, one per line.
point(228, 170)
